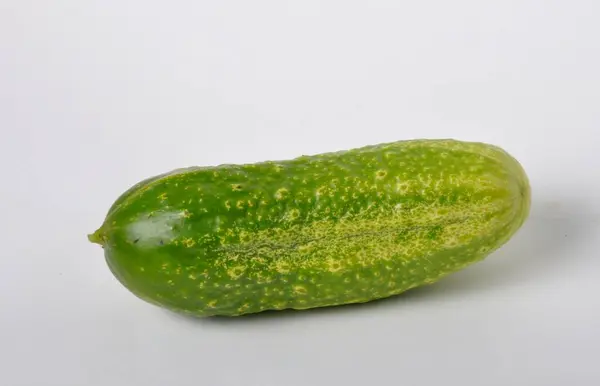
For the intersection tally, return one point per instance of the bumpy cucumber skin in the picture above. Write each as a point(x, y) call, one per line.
point(315, 231)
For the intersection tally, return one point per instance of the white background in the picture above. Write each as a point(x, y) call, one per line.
point(97, 95)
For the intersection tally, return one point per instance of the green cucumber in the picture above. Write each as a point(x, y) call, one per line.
point(323, 230)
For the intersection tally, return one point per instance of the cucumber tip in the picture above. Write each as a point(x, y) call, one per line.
point(96, 237)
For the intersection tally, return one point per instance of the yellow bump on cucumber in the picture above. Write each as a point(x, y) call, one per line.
point(314, 231)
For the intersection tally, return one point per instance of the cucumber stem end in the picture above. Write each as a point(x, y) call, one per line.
point(97, 237)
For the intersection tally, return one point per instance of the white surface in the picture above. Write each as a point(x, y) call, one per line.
point(96, 95)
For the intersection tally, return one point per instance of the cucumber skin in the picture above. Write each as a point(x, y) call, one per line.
point(323, 230)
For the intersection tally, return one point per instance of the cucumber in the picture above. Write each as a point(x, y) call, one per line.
point(323, 230)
